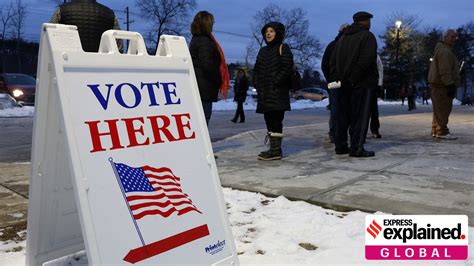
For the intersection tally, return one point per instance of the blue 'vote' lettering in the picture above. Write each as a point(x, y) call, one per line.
point(103, 94)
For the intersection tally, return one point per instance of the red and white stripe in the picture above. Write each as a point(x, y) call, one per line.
point(374, 229)
point(167, 198)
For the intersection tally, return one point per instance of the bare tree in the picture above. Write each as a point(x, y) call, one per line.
point(306, 48)
point(18, 18)
point(249, 51)
point(271, 12)
point(18, 22)
point(167, 16)
point(5, 16)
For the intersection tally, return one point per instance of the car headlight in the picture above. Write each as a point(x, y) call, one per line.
point(17, 93)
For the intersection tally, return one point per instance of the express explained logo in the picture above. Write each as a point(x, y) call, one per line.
point(215, 248)
point(414, 231)
point(416, 237)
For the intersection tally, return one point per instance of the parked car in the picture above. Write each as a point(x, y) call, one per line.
point(311, 93)
point(20, 86)
point(252, 92)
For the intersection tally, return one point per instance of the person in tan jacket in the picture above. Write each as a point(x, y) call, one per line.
point(443, 78)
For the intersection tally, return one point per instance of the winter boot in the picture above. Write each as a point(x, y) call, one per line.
point(275, 148)
point(267, 137)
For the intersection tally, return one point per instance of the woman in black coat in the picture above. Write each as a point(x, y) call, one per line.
point(272, 79)
point(206, 60)
point(240, 94)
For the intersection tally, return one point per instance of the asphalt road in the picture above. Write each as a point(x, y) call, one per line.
point(16, 132)
point(220, 126)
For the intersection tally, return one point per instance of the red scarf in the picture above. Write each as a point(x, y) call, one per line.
point(225, 80)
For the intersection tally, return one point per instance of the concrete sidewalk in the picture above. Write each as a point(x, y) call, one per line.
point(411, 173)
point(14, 179)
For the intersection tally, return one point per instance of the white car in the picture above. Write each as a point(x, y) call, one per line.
point(252, 92)
point(311, 93)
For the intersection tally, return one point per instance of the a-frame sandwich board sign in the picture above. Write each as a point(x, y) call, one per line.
point(122, 164)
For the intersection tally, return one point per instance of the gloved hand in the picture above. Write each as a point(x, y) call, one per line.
point(451, 91)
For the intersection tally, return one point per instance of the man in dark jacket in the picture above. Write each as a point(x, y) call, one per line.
point(354, 63)
point(272, 79)
point(333, 93)
point(91, 19)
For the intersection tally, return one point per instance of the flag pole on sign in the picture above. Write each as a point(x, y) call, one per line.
point(111, 160)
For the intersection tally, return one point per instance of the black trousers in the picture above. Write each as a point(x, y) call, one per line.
point(374, 114)
point(411, 103)
point(354, 106)
point(274, 121)
point(207, 107)
point(333, 95)
point(240, 112)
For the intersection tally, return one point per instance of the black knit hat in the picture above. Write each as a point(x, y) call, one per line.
point(361, 16)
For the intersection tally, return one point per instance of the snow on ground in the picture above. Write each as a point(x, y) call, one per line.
point(12, 252)
point(222, 105)
point(276, 231)
point(10, 108)
point(251, 104)
point(17, 111)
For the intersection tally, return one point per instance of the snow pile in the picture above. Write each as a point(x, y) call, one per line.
point(251, 104)
point(17, 111)
point(12, 252)
point(10, 108)
point(275, 231)
point(278, 231)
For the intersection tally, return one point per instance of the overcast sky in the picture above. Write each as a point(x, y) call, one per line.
point(324, 16)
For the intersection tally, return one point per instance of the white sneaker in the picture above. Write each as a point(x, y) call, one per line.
point(448, 136)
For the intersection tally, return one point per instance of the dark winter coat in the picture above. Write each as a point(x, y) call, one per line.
point(325, 64)
point(355, 59)
point(240, 89)
point(411, 91)
point(206, 62)
point(91, 19)
point(272, 73)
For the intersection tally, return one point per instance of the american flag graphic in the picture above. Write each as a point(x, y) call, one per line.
point(153, 191)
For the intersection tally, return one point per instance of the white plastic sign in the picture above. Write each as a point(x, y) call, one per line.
point(122, 164)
